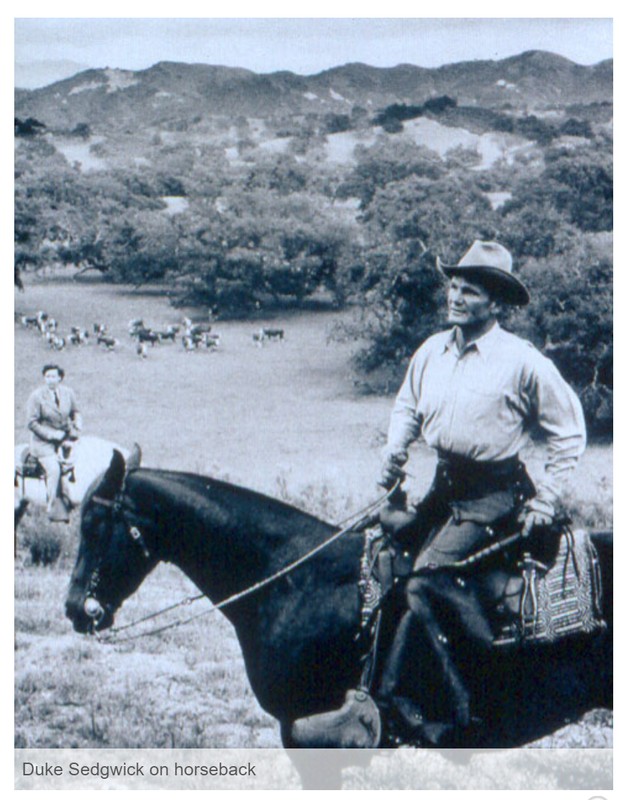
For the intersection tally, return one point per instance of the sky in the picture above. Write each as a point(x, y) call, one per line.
point(302, 45)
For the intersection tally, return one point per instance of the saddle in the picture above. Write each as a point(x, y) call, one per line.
point(30, 467)
point(528, 603)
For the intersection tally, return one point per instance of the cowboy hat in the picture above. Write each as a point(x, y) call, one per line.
point(492, 263)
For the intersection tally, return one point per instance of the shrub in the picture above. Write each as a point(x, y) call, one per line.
point(45, 547)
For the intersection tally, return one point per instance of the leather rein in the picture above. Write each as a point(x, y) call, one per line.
point(359, 521)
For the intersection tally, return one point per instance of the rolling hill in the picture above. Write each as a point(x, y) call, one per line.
point(175, 93)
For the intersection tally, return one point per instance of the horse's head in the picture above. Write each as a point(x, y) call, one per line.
point(112, 558)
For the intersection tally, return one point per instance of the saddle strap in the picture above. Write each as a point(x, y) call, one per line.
point(374, 582)
point(370, 657)
point(369, 585)
point(596, 577)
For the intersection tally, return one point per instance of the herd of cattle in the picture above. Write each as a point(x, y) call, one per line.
point(193, 336)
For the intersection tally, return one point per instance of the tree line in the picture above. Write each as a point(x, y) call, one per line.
point(275, 227)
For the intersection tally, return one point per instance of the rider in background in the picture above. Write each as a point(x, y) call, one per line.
point(54, 422)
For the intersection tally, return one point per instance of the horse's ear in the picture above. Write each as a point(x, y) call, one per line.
point(112, 481)
point(135, 458)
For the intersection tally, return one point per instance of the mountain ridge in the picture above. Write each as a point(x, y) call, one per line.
point(175, 90)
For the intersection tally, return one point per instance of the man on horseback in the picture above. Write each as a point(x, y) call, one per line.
point(54, 422)
point(473, 393)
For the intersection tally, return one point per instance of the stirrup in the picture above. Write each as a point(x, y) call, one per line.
point(355, 725)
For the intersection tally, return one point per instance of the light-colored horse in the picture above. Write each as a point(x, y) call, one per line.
point(90, 456)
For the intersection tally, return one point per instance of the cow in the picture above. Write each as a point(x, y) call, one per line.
point(57, 342)
point(169, 335)
point(41, 318)
point(273, 333)
point(147, 335)
point(29, 322)
point(108, 342)
point(77, 336)
point(192, 329)
point(210, 340)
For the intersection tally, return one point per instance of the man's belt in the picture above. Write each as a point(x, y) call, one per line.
point(464, 474)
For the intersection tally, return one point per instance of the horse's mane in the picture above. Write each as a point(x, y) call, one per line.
point(202, 484)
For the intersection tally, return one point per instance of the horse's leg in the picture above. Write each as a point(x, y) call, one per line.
point(20, 510)
point(603, 543)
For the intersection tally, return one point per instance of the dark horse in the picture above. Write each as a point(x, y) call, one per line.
point(299, 633)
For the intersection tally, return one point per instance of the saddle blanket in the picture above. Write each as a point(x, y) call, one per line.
point(559, 601)
point(539, 603)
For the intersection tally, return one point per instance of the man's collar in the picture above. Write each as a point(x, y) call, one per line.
point(484, 345)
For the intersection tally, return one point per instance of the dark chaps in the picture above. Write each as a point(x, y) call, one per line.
point(469, 506)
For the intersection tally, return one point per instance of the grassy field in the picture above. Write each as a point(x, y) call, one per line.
point(282, 419)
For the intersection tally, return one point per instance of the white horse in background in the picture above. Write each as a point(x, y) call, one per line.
point(90, 457)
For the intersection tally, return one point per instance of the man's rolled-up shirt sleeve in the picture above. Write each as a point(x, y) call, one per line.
point(558, 412)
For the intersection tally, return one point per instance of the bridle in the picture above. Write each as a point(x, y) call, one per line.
point(135, 534)
point(356, 522)
point(117, 511)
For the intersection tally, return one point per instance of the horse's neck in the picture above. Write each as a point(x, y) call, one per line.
point(224, 539)
point(227, 541)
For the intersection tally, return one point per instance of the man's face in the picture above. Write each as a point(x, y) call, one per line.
point(469, 304)
point(52, 378)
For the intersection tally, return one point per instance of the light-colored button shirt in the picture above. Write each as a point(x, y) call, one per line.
point(483, 402)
